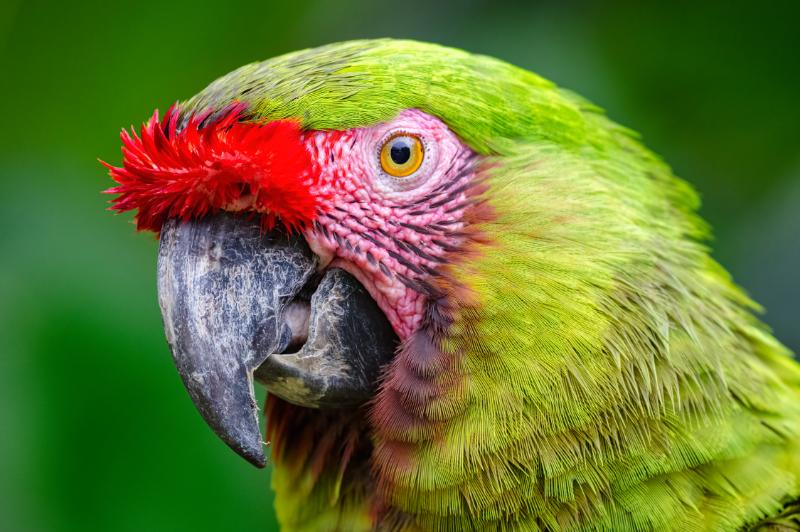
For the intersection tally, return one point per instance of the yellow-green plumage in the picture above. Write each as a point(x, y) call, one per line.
point(616, 377)
point(610, 374)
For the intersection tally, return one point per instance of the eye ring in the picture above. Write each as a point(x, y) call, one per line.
point(402, 154)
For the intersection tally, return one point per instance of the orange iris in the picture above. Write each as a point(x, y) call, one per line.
point(402, 155)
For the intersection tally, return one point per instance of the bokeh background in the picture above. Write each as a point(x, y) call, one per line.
point(96, 432)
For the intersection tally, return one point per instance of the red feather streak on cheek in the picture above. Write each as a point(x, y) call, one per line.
point(212, 165)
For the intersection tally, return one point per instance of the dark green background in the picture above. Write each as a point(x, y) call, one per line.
point(96, 432)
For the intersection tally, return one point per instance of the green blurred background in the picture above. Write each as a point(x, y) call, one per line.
point(96, 432)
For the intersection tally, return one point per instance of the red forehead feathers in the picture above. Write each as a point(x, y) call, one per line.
point(215, 162)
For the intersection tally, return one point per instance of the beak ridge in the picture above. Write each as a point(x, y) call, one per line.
point(238, 302)
point(222, 287)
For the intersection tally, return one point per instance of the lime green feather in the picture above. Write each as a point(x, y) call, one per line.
point(616, 378)
point(359, 83)
point(612, 375)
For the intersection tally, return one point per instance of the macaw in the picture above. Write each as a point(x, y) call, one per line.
point(476, 302)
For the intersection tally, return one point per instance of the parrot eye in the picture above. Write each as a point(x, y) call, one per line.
point(402, 154)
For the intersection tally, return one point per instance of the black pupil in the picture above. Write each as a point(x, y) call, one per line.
point(401, 151)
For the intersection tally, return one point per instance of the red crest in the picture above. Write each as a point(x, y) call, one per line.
point(215, 162)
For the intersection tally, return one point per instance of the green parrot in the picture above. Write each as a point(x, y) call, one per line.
point(476, 303)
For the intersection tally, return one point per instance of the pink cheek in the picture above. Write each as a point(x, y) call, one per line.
point(409, 311)
point(383, 212)
point(351, 187)
point(370, 223)
point(321, 248)
point(391, 291)
point(357, 212)
point(349, 183)
point(409, 236)
point(361, 194)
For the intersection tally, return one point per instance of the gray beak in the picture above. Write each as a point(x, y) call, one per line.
point(239, 303)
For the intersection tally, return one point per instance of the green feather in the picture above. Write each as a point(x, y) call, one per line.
point(359, 83)
point(613, 376)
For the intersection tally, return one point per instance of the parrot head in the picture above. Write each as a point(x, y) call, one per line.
point(298, 255)
point(506, 290)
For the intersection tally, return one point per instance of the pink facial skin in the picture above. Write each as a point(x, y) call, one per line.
point(391, 233)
